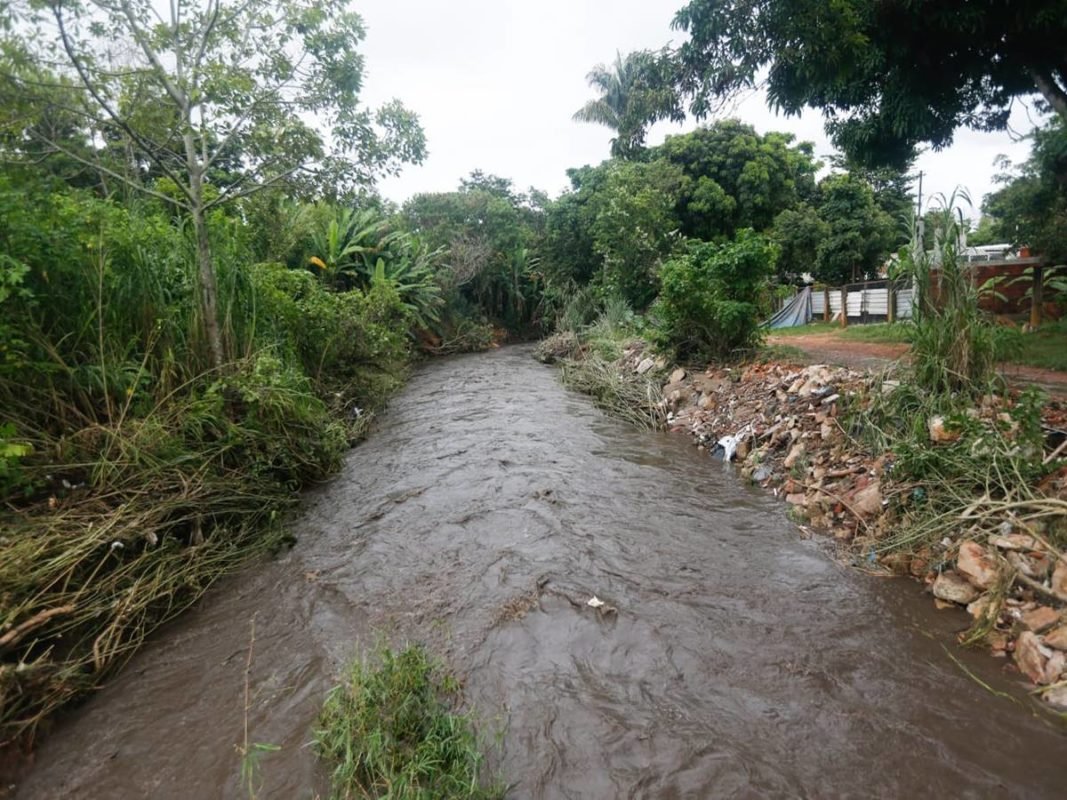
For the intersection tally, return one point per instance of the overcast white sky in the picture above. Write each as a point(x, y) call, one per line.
point(495, 83)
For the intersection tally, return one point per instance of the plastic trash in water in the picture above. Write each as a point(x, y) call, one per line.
point(729, 444)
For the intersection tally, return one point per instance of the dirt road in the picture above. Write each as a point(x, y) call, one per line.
point(831, 348)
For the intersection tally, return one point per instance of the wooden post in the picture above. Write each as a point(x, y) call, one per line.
point(1038, 298)
point(826, 304)
point(844, 306)
point(891, 302)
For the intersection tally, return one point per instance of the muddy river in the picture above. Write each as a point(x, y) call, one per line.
point(487, 507)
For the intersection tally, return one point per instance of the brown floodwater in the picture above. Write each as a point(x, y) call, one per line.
point(487, 507)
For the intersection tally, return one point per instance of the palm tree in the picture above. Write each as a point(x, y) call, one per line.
point(629, 100)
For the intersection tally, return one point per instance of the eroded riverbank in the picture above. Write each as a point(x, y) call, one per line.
point(484, 511)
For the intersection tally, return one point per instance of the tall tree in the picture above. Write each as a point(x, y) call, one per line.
point(798, 233)
point(888, 76)
point(858, 235)
point(633, 94)
point(739, 177)
point(186, 87)
point(635, 226)
point(1031, 207)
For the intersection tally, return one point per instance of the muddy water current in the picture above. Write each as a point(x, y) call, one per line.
point(487, 507)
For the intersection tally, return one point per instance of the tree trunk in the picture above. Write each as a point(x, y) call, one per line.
point(1037, 302)
point(1055, 96)
point(209, 293)
point(209, 304)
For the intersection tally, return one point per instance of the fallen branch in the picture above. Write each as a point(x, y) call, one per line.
point(1055, 453)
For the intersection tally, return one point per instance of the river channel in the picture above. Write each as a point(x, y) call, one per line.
point(487, 507)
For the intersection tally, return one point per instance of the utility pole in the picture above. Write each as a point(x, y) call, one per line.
point(920, 232)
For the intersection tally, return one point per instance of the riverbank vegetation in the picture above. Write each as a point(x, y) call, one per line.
point(392, 730)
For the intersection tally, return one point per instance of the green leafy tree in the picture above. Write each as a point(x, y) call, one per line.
point(1031, 207)
point(489, 231)
point(635, 226)
point(709, 301)
point(888, 76)
point(270, 88)
point(798, 233)
point(738, 177)
point(984, 232)
point(858, 235)
point(633, 94)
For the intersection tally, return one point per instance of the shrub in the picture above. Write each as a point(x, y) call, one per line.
point(709, 301)
point(353, 342)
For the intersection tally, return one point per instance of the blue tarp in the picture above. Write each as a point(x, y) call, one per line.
point(796, 312)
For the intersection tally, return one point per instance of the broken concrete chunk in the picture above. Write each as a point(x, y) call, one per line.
point(1056, 697)
point(645, 366)
point(1031, 657)
point(1033, 565)
point(868, 502)
point(794, 455)
point(980, 607)
point(1014, 541)
point(1057, 637)
point(1054, 666)
point(1040, 618)
point(1059, 579)
point(954, 588)
point(938, 434)
point(976, 564)
point(762, 473)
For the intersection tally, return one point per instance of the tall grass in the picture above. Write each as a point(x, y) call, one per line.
point(392, 731)
point(133, 518)
point(952, 345)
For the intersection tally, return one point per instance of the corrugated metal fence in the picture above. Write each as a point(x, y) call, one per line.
point(867, 302)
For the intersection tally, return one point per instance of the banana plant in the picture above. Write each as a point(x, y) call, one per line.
point(419, 292)
point(349, 243)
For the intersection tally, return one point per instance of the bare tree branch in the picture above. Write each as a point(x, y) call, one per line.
point(129, 131)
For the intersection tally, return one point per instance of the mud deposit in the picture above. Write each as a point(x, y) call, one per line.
point(487, 507)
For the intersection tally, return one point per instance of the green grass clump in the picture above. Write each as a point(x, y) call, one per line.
point(1046, 347)
point(391, 732)
point(880, 333)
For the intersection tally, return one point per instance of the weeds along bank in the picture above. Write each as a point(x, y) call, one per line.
point(133, 472)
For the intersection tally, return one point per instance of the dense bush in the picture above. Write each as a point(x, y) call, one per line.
point(133, 472)
point(709, 302)
point(354, 342)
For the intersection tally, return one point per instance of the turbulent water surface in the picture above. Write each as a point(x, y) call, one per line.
point(487, 507)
